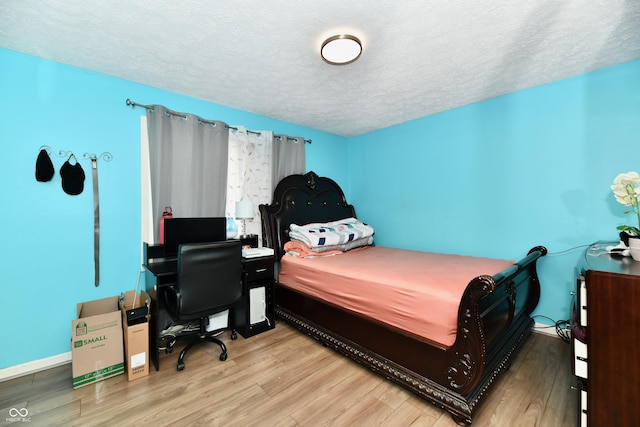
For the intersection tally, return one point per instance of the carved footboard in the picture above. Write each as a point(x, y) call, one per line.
point(493, 320)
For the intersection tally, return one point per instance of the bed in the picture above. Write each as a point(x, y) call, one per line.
point(455, 371)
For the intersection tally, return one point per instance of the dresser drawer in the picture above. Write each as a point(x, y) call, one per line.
point(582, 415)
point(258, 268)
point(579, 359)
point(582, 301)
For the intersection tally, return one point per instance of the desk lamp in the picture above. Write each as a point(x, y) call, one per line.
point(244, 212)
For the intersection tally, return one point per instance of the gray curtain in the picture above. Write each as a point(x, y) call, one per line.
point(288, 157)
point(188, 164)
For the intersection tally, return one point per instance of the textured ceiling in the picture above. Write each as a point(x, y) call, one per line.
point(420, 57)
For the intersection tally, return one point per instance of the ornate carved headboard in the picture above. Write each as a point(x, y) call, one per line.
point(301, 199)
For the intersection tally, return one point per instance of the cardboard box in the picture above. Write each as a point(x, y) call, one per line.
point(96, 342)
point(135, 326)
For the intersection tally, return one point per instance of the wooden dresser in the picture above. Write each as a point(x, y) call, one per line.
point(607, 360)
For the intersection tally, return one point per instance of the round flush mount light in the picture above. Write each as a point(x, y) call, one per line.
point(341, 49)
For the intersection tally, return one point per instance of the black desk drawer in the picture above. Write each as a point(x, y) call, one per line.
point(258, 268)
point(256, 306)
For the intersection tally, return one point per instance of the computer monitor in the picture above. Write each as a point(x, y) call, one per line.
point(192, 230)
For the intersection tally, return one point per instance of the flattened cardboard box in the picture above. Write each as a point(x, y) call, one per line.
point(96, 342)
point(136, 337)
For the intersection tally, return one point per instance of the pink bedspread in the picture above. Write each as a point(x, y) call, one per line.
point(419, 292)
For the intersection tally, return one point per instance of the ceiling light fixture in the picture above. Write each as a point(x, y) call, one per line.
point(341, 49)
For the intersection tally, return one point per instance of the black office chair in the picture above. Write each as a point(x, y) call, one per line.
point(209, 282)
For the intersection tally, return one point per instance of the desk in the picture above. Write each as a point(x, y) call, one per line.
point(161, 271)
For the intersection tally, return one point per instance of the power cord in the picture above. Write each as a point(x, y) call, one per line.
point(562, 327)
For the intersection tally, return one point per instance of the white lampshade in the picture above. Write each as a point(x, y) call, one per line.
point(244, 210)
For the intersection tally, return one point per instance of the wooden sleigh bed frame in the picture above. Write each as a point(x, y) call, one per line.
point(493, 318)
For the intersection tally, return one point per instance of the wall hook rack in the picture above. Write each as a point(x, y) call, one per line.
point(106, 156)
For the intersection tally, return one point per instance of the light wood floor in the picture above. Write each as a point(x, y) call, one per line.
point(283, 378)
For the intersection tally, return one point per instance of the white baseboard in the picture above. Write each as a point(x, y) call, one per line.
point(34, 366)
point(541, 328)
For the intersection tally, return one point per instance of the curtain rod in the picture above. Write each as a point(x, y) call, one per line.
point(200, 120)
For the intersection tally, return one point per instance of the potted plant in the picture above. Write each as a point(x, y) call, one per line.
point(626, 189)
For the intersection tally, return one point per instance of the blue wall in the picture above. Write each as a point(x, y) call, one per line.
point(47, 235)
point(501, 176)
point(491, 179)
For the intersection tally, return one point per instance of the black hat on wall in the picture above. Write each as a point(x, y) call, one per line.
point(72, 177)
point(44, 167)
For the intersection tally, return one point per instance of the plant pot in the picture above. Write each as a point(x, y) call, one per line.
point(634, 247)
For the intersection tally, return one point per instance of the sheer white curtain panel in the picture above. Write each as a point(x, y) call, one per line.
point(249, 172)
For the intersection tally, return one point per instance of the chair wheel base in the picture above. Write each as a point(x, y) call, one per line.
point(201, 337)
